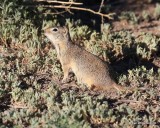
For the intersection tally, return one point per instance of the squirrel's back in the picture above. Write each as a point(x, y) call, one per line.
point(88, 68)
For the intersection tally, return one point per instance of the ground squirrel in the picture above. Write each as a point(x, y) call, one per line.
point(88, 68)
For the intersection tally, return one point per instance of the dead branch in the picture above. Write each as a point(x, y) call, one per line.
point(68, 6)
point(109, 16)
point(59, 2)
point(130, 101)
point(100, 8)
point(55, 13)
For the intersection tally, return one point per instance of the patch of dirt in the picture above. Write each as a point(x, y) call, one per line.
point(152, 25)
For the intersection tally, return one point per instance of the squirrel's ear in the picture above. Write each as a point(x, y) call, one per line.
point(65, 30)
point(66, 33)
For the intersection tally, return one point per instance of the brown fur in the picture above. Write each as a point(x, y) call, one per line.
point(88, 68)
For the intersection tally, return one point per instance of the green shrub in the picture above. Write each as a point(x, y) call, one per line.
point(30, 96)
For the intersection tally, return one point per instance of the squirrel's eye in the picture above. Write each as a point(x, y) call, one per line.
point(55, 29)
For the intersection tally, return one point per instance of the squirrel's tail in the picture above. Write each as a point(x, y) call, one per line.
point(128, 89)
point(119, 88)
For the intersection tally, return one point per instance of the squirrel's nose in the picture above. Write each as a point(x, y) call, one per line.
point(45, 29)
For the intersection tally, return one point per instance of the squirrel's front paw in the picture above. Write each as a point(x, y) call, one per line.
point(65, 80)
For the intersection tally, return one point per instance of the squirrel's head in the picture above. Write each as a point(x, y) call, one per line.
point(57, 34)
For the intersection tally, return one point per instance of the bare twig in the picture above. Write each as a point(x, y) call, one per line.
point(18, 106)
point(109, 16)
point(130, 101)
point(102, 18)
point(102, 23)
point(55, 13)
point(60, 2)
point(70, 7)
point(100, 8)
